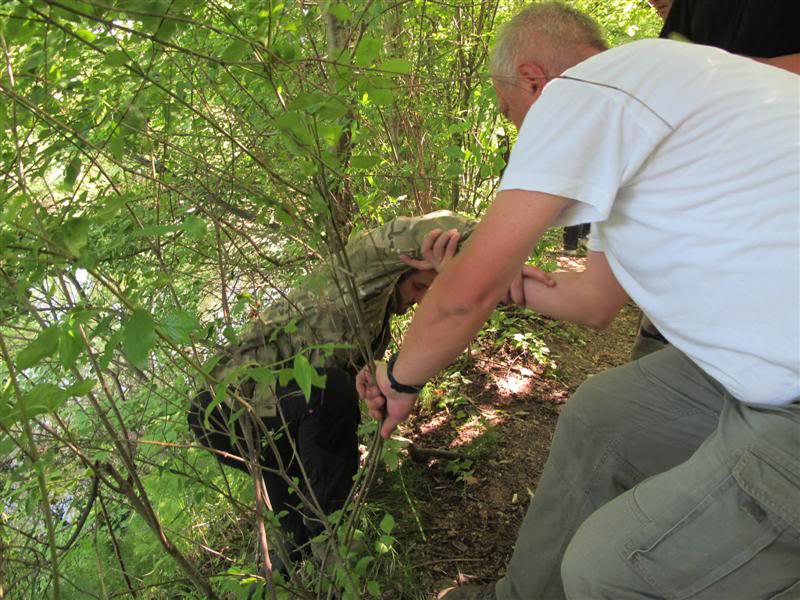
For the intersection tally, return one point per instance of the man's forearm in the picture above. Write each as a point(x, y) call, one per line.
point(568, 300)
point(466, 293)
point(592, 297)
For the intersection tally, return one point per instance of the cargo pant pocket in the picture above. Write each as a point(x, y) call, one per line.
point(694, 544)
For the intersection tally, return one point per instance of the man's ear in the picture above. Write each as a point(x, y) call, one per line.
point(532, 78)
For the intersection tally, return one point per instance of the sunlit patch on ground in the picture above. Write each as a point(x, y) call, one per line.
point(434, 423)
point(475, 427)
point(571, 263)
point(514, 384)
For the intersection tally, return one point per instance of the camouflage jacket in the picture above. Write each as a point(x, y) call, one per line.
point(321, 311)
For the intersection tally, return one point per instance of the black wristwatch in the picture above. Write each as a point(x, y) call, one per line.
point(396, 385)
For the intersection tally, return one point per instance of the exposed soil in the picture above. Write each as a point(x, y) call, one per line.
point(503, 422)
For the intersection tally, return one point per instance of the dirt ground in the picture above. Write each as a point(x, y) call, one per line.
point(470, 510)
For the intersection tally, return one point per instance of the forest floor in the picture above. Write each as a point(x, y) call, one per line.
point(498, 407)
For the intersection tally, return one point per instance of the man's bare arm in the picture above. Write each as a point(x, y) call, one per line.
point(473, 283)
point(592, 297)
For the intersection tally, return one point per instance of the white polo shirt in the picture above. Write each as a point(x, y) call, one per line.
point(686, 159)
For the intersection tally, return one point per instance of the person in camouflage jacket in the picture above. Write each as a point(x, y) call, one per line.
point(389, 268)
point(322, 312)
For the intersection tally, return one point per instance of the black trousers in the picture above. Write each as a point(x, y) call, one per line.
point(324, 433)
point(573, 233)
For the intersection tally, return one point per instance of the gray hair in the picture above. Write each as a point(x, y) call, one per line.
point(544, 33)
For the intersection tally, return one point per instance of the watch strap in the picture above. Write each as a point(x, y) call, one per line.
point(396, 385)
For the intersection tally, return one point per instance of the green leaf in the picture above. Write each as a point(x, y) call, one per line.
point(111, 345)
point(115, 58)
point(179, 325)
point(387, 523)
point(332, 110)
point(138, 338)
point(341, 12)
point(70, 7)
point(220, 391)
point(194, 226)
point(5, 395)
point(329, 133)
point(303, 374)
point(16, 21)
point(7, 445)
point(368, 50)
point(236, 51)
point(284, 217)
point(391, 454)
point(13, 207)
point(116, 144)
point(101, 327)
point(292, 122)
point(86, 35)
point(70, 346)
point(285, 376)
point(229, 333)
point(82, 388)
point(364, 161)
point(74, 234)
point(454, 170)
point(72, 171)
point(380, 96)
point(43, 346)
point(285, 49)
point(318, 380)
point(374, 588)
point(384, 544)
point(40, 399)
point(113, 205)
point(306, 100)
point(453, 152)
point(154, 14)
point(262, 375)
point(35, 60)
point(134, 119)
point(396, 65)
point(362, 564)
point(166, 29)
point(497, 164)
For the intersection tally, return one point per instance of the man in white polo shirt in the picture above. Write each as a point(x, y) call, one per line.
point(677, 476)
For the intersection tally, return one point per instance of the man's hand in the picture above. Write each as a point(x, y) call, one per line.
point(384, 404)
point(516, 292)
point(437, 249)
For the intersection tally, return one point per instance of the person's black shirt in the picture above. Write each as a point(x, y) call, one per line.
point(757, 28)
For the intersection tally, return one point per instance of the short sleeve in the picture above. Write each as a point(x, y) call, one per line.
point(583, 141)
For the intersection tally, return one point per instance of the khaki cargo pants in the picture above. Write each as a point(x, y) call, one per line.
point(660, 485)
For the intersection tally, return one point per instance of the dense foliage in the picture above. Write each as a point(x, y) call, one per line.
point(168, 166)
